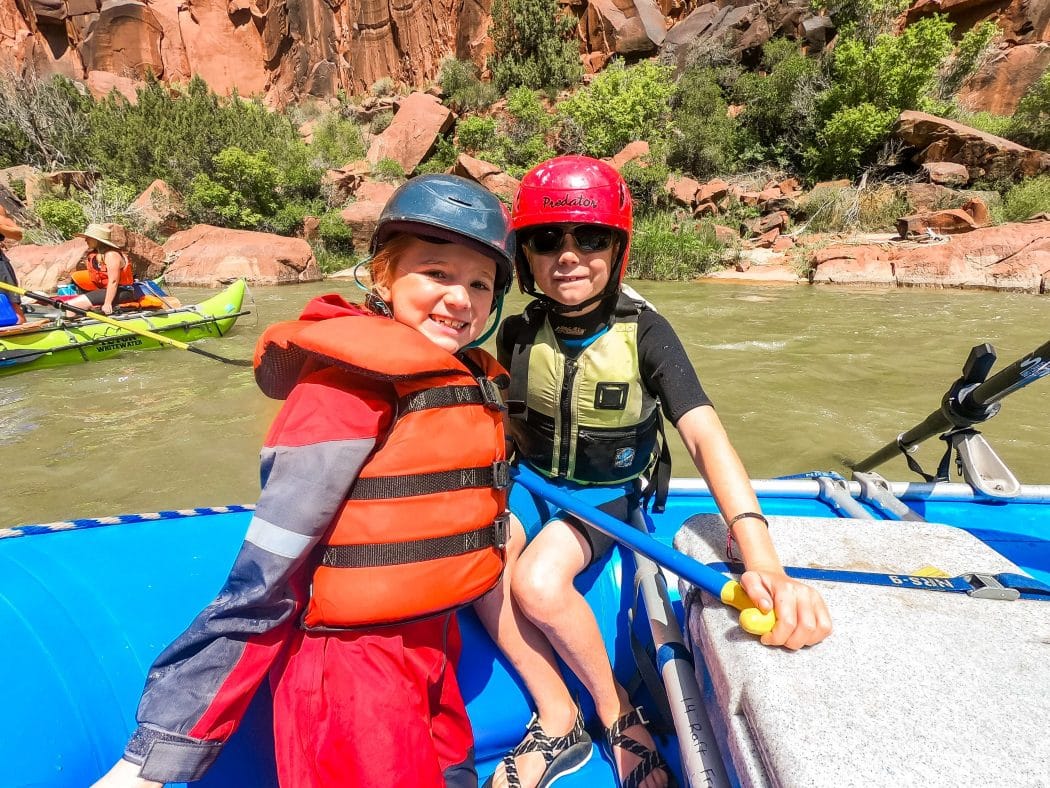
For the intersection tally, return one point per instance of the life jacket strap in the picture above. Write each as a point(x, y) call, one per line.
point(484, 393)
point(358, 556)
point(496, 476)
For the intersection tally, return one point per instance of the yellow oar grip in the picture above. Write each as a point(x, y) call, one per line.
point(752, 619)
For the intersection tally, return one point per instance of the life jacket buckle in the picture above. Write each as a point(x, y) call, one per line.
point(490, 397)
point(516, 408)
point(500, 475)
point(500, 529)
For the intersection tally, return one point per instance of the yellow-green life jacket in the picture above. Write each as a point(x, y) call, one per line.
point(586, 418)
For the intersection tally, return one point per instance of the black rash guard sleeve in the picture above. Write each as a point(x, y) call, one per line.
point(666, 369)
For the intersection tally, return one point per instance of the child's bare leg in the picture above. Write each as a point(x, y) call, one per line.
point(530, 654)
point(543, 588)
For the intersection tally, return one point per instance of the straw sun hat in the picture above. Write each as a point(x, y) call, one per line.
point(100, 233)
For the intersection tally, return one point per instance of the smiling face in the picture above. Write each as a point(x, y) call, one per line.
point(442, 290)
point(570, 275)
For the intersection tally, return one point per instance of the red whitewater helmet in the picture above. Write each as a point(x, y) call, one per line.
point(575, 189)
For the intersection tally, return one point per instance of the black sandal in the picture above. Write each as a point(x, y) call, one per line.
point(562, 754)
point(651, 760)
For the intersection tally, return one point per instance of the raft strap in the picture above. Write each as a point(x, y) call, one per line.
point(357, 556)
point(496, 476)
point(1006, 586)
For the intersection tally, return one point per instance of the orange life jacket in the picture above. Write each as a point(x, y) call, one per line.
point(98, 271)
point(424, 526)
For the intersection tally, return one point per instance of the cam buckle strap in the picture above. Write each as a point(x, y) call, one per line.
point(495, 476)
point(500, 530)
point(1006, 586)
point(360, 556)
point(485, 393)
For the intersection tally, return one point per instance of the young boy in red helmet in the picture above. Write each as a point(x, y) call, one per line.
point(592, 371)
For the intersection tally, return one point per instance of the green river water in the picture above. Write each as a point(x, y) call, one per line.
point(803, 377)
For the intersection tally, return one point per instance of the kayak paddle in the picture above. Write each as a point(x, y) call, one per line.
point(970, 400)
point(103, 318)
point(726, 589)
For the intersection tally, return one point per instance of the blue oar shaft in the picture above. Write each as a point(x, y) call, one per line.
point(682, 565)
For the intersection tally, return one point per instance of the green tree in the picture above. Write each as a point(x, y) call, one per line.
point(871, 85)
point(1031, 122)
point(622, 104)
point(778, 106)
point(535, 45)
point(175, 136)
point(703, 138)
point(242, 192)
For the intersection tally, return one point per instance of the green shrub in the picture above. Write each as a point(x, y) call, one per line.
point(999, 125)
point(1028, 198)
point(441, 158)
point(663, 248)
point(969, 53)
point(243, 192)
point(65, 216)
point(176, 135)
point(110, 201)
point(388, 170)
point(871, 85)
point(646, 178)
point(622, 104)
point(381, 122)
point(42, 121)
point(535, 45)
point(522, 143)
point(288, 218)
point(863, 19)
point(335, 233)
point(778, 107)
point(336, 141)
point(462, 87)
point(384, 86)
point(1031, 121)
point(849, 137)
point(703, 138)
point(476, 133)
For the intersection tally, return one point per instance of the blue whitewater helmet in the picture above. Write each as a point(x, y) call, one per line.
point(454, 209)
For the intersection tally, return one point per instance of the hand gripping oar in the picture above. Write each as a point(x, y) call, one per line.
point(970, 400)
point(728, 590)
point(123, 326)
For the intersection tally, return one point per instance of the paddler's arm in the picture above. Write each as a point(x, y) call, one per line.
point(114, 262)
point(802, 616)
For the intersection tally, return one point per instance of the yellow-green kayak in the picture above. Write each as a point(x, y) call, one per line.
point(71, 342)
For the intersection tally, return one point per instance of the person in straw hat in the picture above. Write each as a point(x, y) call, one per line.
point(107, 280)
point(9, 230)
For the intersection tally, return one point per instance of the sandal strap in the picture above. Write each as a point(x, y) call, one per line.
point(635, 716)
point(510, 768)
point(650, 759)
point(537, 740)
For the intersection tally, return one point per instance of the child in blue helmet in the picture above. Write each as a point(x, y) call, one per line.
point(592, 373)
point(343, 589)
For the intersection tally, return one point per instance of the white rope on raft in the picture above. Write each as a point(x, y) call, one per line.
point(123, 519)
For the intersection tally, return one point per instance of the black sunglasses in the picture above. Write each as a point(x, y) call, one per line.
point(588, 237)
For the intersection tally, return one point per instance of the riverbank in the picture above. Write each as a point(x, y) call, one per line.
point(1011, 257)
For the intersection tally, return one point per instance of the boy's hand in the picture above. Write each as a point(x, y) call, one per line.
point(802, 616)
